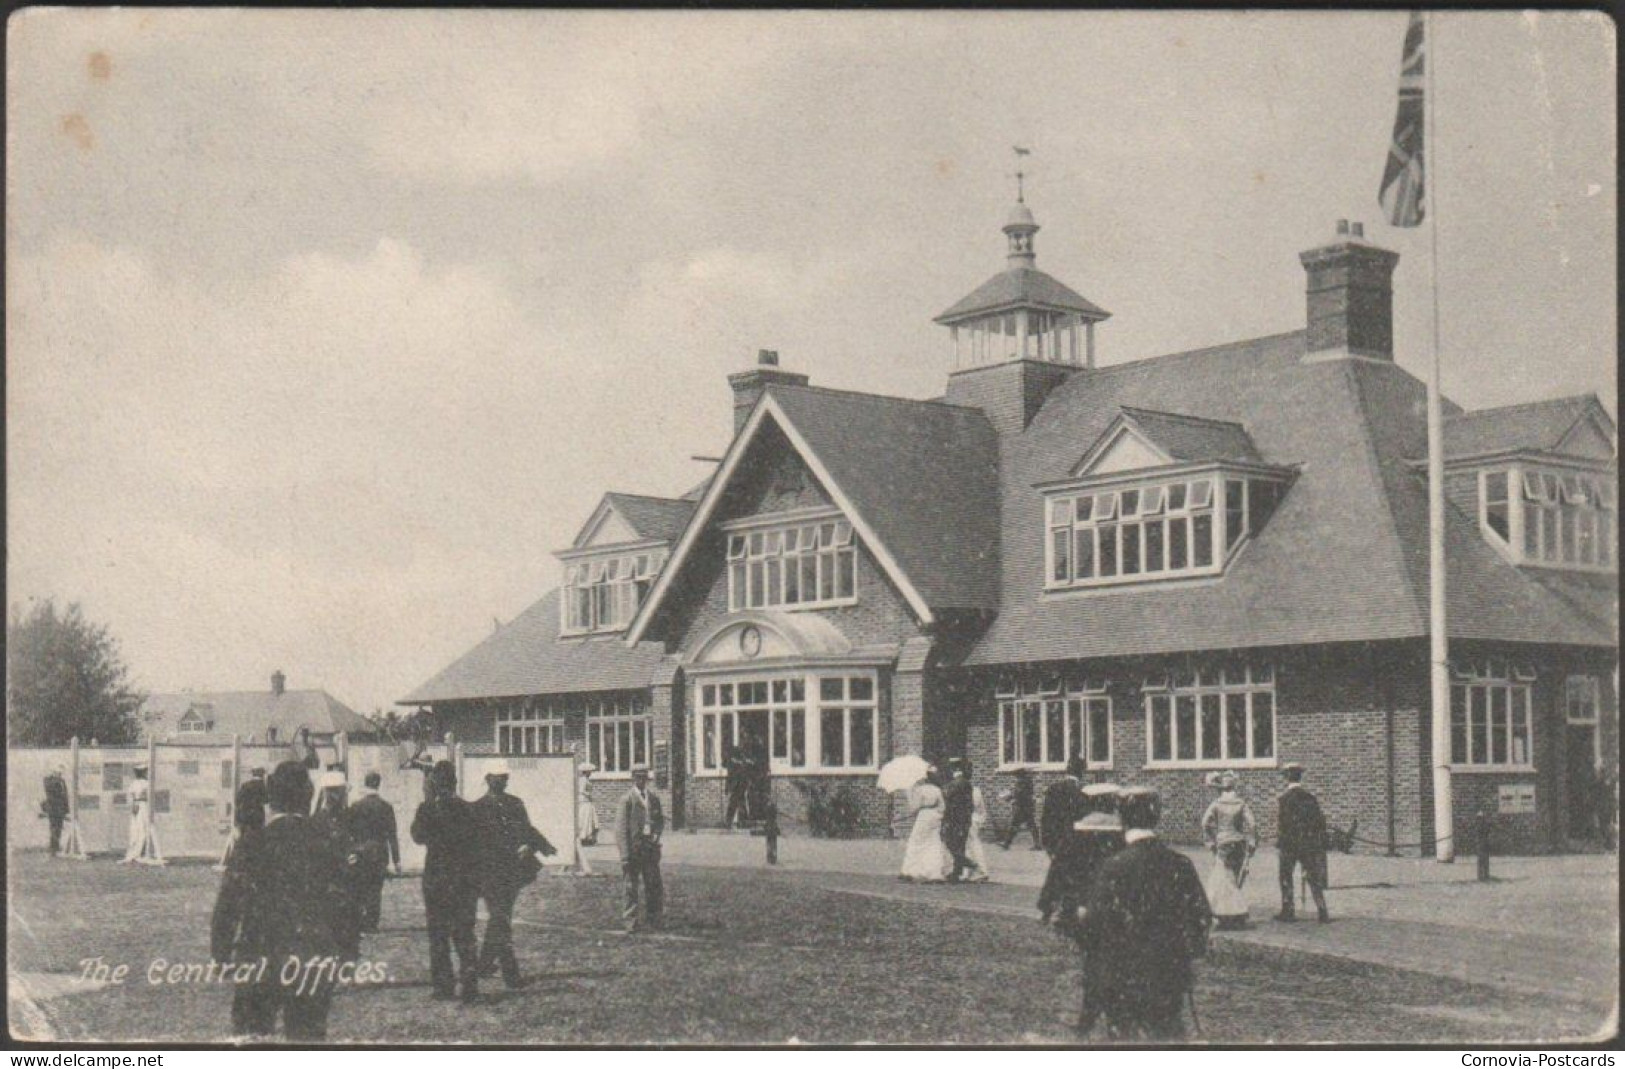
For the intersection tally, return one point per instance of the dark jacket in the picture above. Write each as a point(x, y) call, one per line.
point(56, 797)
point(1301, 827)
point(444, 825)
point(1146, 918)
point(504, 830)
point(1021, 796)
point(372, 829)
point(250, 806)
point(1063, 807)
point(958, 803)
point(283, 894)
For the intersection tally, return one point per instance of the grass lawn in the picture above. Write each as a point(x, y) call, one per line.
point(748, 957)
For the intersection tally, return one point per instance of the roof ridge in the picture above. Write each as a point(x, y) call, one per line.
point(1414, 589)
point(646, 497)
point(1206, 350)
point(774, 387)
point(1184, 416)
point(1499, 409)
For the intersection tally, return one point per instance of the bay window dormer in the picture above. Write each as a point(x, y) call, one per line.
point(1549, 514)
point(602, 592)
point(1158, 497)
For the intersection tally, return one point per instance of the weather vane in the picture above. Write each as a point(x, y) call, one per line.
point(1021, 175)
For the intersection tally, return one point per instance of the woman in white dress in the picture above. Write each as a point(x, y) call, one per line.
point(143, 844)
point(1231, 833)
point(926, 859)
point(586, 812)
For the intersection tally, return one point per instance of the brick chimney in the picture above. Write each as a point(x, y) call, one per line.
point(748, 385)
point(279, 682)
point(1011, 394)
point(1350, 296)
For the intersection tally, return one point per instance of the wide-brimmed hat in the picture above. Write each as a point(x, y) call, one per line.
point(640, 770)
point(586, 767)
point(333, 778)
point(498, 767)
point(1223, 780)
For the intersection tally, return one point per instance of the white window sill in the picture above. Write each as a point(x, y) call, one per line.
point(1214, 764)
point(1490, 770)
point(800, 606)
point(868, 770)
point(1050, 767)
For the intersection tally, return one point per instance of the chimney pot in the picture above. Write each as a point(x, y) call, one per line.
point(1342, 227)
point(767, 357)
point(278, 682)
point(1358, 229)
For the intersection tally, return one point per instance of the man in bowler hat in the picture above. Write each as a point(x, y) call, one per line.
point(508, 847)
point(445, 826)
point(1301, 839)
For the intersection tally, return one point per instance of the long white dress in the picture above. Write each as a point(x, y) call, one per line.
point(925, 858)
point(974, 849)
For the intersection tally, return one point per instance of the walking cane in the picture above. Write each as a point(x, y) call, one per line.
point(1190, 1000)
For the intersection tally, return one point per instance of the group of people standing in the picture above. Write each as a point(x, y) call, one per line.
point(303, 883)
point(945, 844)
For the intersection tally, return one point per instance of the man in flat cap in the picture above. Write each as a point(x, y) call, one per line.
point(958, 809)
point(639, 823)
point(281, 900)
point(445, 827)
point(508, 845)
point(1145, 921)
point(1301, 839)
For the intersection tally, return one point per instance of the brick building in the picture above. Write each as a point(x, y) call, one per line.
point(1210, 559)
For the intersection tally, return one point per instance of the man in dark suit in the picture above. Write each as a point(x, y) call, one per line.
point(1063, 807)
point(958, 806)
point(249, 811)
point(55, 807)
point(1145, 921)
point(1301, 839)
point(507, 862)
point(1022, 808)
point(639, 823)
point(444, 824)
point(737, 785)
point(372, 829)
point(280, 904)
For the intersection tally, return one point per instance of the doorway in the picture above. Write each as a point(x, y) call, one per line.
point(1581, 754)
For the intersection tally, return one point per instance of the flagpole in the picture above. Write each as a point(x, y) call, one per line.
point(1438, 635)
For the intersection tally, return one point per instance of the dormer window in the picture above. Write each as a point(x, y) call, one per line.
point(604, 593)
point(1547, 517)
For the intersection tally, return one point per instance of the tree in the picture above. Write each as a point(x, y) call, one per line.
point(66, 677)
point(417, 726)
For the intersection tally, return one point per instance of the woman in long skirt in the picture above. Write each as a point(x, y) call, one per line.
point(925, 858)
point(974, 850)
point(1232, 834)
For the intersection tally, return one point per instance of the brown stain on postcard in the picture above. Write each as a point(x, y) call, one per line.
point(101, 66)
point(75, 127)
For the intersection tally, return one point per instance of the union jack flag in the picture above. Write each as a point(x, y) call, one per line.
point(1403, 184)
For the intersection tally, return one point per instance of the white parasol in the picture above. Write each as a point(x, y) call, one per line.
point(901, 773)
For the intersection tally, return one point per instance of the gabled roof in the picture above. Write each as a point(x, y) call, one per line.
point(661, 518)
point(1017, 287)
point(1180, 438)
point(526, 656)
point(1538, 425)
point(653, 519)
point(1344, 558)
point(917, 480)
point(252, 712)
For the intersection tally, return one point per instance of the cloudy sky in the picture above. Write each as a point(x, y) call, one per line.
point(326, 329)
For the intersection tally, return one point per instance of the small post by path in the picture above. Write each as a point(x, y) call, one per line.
point(1481, 831)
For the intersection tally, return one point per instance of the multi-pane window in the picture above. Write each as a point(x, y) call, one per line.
point(805, 721)
point(532, 727)
point(806, 564)
point(1582, 698)
point(1568, 519)
point(1112, 535)
point(1048, 729)
point(603, 593)
point(192, 724)
point(1164, 529)
point(1220, 714)
point(1492, 718)
point(620, 734)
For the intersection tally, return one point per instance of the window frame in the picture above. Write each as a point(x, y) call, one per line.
point(1508, 685)
point(539, 727)
point(1195, 684)
point(709, 704)
point(601, 593)
point(603, 716)
point(1573, 509)
point(812, 551)
point(1012, 708)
